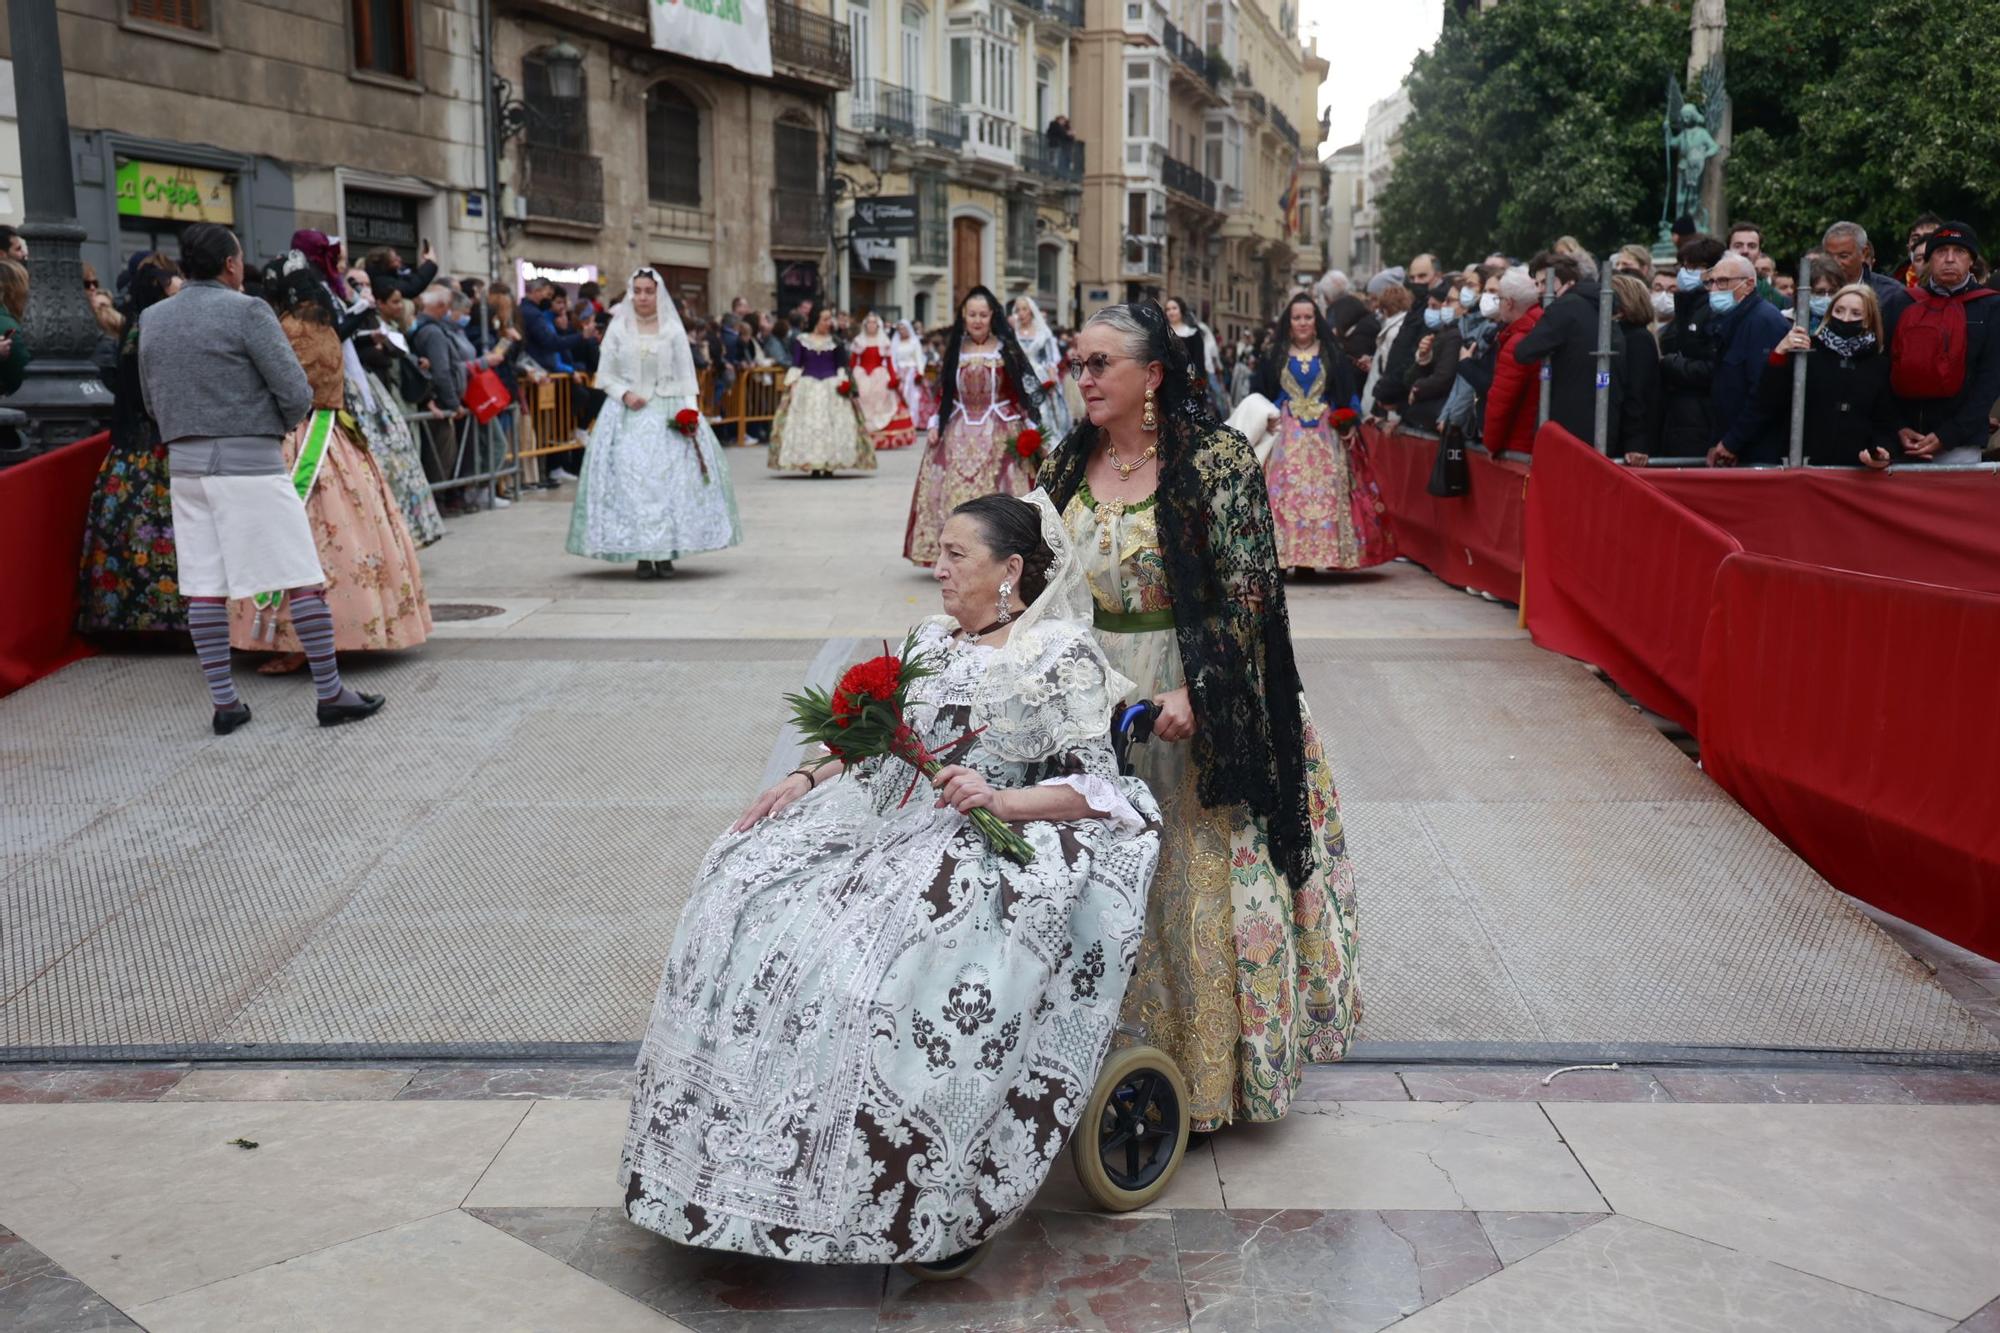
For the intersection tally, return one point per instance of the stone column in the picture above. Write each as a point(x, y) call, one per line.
point(62, 394)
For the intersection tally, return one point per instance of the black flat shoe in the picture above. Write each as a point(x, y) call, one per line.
point(663, 569)
point(230, 718)
point(333, 714)
point(645, 570)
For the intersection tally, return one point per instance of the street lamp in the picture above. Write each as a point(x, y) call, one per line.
point(565, 66)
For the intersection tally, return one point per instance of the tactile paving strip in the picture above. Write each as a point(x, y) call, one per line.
point(500, 860)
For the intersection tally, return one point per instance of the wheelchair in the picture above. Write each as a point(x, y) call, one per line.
point(1133, 1133)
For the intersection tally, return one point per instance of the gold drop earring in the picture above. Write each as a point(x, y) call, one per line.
point(1150, 421)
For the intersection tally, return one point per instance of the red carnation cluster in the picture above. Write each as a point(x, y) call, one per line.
point(845, 389)
point(686, 420)
point(1028, 443)
point(874, 680)
point(1344, 418)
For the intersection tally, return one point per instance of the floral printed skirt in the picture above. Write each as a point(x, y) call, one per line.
point(374, 586)
point(1325, 504)
point(127, 579)
point(1243, 979)
point(818, 429)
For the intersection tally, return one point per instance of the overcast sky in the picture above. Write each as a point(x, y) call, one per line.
point(1370, 44)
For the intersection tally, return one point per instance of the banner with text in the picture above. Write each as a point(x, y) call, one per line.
point(736, 33)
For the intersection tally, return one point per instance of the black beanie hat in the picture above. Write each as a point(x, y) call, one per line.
point(1952, 233)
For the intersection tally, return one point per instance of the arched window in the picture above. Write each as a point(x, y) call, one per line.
point(554, 122)
point(673, 147)
point(796, 146)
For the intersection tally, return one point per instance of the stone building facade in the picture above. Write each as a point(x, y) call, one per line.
point(364, 120)
point(714, 177)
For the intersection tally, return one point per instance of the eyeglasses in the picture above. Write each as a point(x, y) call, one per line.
point(1722, 284)
point(1095, 365)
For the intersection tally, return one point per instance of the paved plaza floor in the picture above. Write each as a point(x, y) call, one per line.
point(422, 1009)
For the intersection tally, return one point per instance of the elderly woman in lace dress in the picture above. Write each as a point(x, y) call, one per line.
point(874, 1032)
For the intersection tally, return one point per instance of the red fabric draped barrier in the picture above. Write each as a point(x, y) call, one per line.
point(1619, 575)
point(1852, 715)
point(1470, 541)
point(43, 503)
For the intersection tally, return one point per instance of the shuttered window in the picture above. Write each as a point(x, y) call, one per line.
point(385, 37)
point(673, 147)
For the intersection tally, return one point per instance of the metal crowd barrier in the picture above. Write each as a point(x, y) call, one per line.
point(547, 419)
point(481, 455)
point(750, 400)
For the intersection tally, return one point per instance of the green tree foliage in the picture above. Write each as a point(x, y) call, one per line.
point(1532, 120)
point(1539, 118)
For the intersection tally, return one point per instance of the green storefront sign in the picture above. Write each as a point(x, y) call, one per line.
point(181, 194)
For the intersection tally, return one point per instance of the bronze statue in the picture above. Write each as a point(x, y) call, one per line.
point(1692, 145)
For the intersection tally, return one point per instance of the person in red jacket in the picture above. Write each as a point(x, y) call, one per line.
point(1513, 403)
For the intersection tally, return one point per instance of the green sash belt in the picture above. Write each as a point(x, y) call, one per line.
point(1131, 622)
point(305, 471)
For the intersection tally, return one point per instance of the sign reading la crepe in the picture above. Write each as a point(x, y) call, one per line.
point(884, 217)
point(182, 194)
point(735, 33)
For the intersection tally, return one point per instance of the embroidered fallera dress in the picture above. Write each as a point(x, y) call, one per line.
point(1325, 504)
point(374, 586)
point(877, 389)
point(394, 447)
point(817, 427)
point(128, 579)
point(974, 455)
point(1242, 979)
point(874, 1034)
point(648, 492)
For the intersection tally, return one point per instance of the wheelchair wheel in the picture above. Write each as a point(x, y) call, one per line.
point(951, 1269)
point(1134, 1130)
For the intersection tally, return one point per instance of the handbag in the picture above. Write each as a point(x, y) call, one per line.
point(486, 396)
point(1450, 474)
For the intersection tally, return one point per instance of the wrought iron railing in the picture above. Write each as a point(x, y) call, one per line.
point(562, 185)
point(1284, 125)
point(944, 123)
point(1184, 178)
point(798, 218)
point(812, 43)
point(883, 108)
point(1052, 161)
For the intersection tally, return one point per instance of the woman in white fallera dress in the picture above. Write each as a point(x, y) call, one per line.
point(875, 1033)
point(1045, 354)
point(649, 491)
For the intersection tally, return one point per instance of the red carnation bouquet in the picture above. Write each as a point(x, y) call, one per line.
point(1345, 419)
point(845, 388)
point(687, 421)
point(864, 718)
point(1028, 443)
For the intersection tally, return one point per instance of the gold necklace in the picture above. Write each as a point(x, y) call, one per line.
point(1125, 469)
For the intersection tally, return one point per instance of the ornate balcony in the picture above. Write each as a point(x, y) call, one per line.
point(562, 186)
point(1285, 130)
point(1062, 162)
point(798, 219)
point(943, 123)
point(1184, 179)
point(810, 47)
point(883, 108)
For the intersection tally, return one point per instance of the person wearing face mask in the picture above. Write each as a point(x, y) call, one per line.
point(1846, 244)
point(1687, 357)
point(1825, 280)
point(1392, 390)
point(1850, 417)
point(1509, 420)
point(1567, 339)
point(1437, 358)
point(1392, 306)
point(1745, 330)
point(1944, 354)
point(1477, 329)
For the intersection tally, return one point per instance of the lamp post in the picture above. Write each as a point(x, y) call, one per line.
point(61, 393)
point(846, 187)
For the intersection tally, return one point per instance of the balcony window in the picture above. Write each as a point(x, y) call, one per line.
point(385, 37)
point(673, 147)
point(1045, 103)
point(913, 49)
point(1048, 262)
point(983, 64)
point(796, 151)
point(859, 25)
point(553, 122)
point(932, 245)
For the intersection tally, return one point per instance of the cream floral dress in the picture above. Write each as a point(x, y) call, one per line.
point(1243, 979)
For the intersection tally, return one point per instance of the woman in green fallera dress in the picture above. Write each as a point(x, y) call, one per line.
point(1247, 972)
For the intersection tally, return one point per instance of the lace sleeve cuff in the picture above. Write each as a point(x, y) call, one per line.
point(1106, 801)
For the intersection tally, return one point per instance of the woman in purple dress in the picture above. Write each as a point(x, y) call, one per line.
point(818, 427)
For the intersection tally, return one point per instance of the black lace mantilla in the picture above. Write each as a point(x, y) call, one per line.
point(1020, 372)
point(1230, 620)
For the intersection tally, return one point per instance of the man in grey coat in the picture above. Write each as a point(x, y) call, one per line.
point(222, 381)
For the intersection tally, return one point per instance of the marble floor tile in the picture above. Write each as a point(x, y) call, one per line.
point(37, 1296)
point(1408, 1155)
point(1195, 1185)
point(1986, 1321)
point(1054, 1271)
point(707, 1290)
point(20, 1087)
point(1900, 1201)
point(1515, 1236)
point(1313, 1271)
point(519, 1082)
point(1524, 1084)
point(564, 1155)
point(143, 1201)
point(1805, 1086)
point(326, 1084)
point(1623, 1276)
point(439, 1274)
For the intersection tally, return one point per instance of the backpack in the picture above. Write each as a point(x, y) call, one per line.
point(1927, 355)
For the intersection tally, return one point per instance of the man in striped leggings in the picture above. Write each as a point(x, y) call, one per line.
point(220, 378)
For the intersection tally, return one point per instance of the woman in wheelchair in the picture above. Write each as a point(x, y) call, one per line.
point(874, 1033)
point(1246, 975)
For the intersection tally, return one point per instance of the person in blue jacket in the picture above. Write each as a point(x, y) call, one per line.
point(1744, 331)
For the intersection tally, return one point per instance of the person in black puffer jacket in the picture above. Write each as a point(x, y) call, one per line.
point(1687, 358)
point(1850, 412)
point(1639, 367)
point(1436, 359)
